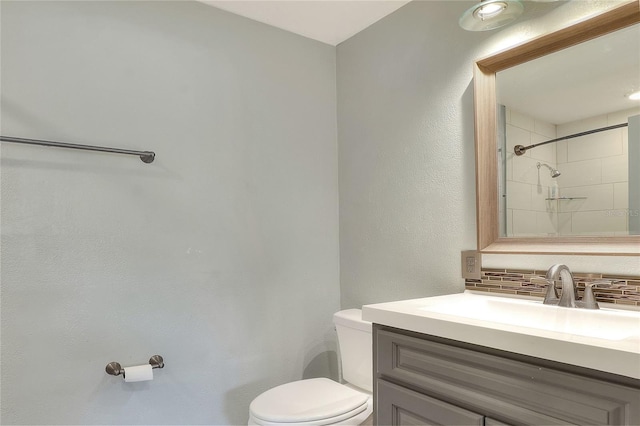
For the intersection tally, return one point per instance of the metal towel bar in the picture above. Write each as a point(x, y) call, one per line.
point(145, 156)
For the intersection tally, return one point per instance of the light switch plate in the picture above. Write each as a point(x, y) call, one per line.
point(471, 264)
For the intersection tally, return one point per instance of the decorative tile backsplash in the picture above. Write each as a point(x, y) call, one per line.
point(624, 291)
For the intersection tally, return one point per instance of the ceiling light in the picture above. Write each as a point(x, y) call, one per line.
point(490, 14)
point(490, 10)
point(635, 96)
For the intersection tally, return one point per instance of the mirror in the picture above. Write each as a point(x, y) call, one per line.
point(579, 185)
point(541, 213)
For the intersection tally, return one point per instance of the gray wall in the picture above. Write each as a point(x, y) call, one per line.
point(406, 154)
point(222, 256)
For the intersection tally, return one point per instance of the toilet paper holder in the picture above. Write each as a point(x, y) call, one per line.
point(115, 369)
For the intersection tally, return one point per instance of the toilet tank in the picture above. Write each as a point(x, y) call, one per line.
point(356, 348)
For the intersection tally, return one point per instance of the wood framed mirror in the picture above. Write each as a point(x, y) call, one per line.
point(489, 237)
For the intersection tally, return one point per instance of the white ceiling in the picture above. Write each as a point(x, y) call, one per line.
point(328, 21)
point(591, 79)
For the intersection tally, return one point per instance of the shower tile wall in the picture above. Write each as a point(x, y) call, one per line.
point(594, 168)
point(528, 213)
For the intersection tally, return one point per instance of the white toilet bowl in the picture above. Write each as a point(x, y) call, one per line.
point(322, 401)
point(311, 402)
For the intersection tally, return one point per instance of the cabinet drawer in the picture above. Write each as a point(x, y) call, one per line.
point(402, 406)
point(505, 389)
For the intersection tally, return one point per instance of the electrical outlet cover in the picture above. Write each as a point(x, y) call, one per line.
point(471, 264)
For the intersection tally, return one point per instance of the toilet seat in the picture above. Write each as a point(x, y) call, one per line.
point(308, 402)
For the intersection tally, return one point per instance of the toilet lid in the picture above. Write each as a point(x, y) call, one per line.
point(306, 400)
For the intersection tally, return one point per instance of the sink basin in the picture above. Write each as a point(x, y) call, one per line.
point(606, 324)
point(605, 339)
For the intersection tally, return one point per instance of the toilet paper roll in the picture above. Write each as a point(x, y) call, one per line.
point(138, 373)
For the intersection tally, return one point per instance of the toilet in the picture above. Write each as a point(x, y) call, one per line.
point(322, 401)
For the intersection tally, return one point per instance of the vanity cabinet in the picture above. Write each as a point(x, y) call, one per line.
point(423, 380)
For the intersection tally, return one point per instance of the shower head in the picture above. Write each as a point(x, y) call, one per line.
point(554, 172)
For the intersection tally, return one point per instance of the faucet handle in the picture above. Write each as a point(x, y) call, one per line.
point(551, 297)
point(589, 299)
point(539, 280)
point(544, 281)
point(598, 283)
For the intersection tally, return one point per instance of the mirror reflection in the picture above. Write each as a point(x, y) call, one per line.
point(588, 181)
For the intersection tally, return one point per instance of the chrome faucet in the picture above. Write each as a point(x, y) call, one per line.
point(569, 293)
point(569, 296)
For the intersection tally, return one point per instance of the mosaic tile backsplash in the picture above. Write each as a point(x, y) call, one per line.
point(625, 290)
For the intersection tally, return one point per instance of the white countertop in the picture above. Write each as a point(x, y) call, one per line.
point(606, 339)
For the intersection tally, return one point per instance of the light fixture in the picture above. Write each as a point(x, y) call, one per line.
point(635, 96)
point(490, 14)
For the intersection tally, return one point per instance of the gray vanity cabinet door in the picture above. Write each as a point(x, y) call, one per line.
point(403, 406)
point(488, 421)
point(494, 384)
